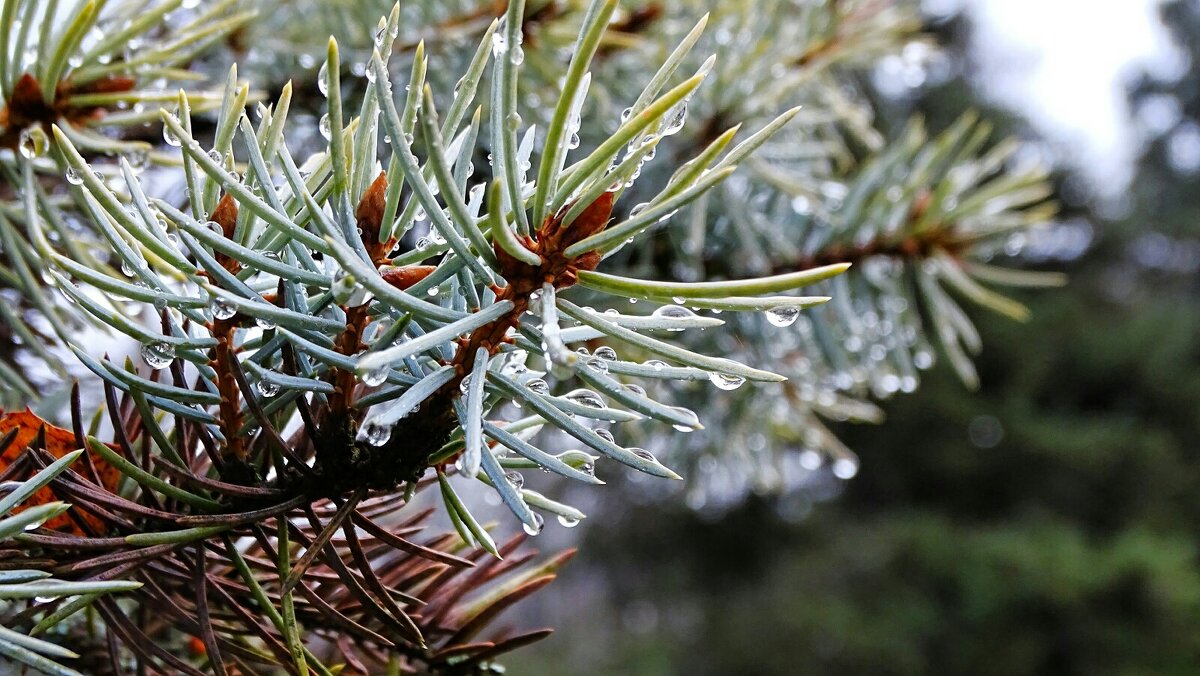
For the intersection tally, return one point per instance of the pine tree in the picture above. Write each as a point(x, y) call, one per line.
point(341, 316)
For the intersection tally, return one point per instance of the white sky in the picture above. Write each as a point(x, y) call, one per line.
point(1064, 64)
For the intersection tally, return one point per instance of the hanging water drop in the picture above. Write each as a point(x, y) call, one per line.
point(376, 434)
point(537, 386)
point(675, 119)
point(845, 468)
point(643, 454)
point(73, 177)
point(325, 127)
point(170, 137)
point(323, 79)
point(222, 309)
point(266, 388)
point(567, 522)
point(33, 142)
point(784, 315)
point(515, 479)
point(535, 527)
point(726, 381)
point(606, 353)
point(158, 354)
point(376, 377)
point(585, 397)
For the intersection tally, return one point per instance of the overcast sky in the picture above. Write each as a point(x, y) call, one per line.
point(1064, 65)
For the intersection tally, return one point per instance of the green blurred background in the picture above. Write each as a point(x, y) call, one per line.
point(1044, 524)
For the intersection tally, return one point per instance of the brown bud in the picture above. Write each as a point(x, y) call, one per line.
point(370, 218)
point(592, 220)
point(404, 277)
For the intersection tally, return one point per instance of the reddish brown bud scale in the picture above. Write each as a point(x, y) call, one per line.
point(404, 277)
point(369, 215)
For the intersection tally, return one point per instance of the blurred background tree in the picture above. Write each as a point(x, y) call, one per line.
point(1044, 525)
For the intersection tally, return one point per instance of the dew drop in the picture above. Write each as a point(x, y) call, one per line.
point(567, 522)
point(376, 434)
point(516, 479)
point(170, 137)
point(33, 142)
point(158, 354)
point(537, 386)
point(845, 468)
point(325, 127)
point(606, 353)
point(726, 381)
point(73, 177)
point(323, 79)
point(784, 315)
point(535, 527)
point(222, 309)
point(678, 116)
point(586, 397)
point(376, 377)
point(266, 388)
point(643, 454)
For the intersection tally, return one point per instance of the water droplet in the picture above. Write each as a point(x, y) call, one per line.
point(138, 158)
point(33, 142)
point(222, 309)
point(606, 353)
point(643, 454)
point(323, 79)
point(675, 119)
point(158, 354)
point(604, 434)
point(598, 365)
point(726, 381)
point(266, 388)
point(170, 137)
point(567, 522)
point(216, 156)
point(693, 422)
point(376, 434)
point(636, 389)
point(573, 141)
point(433, 291)
point(516, 56)
point(516, 479)
point(784, 315)
point(499, 43)
point(810, 459)
point(513, 121)
point(625, 114)
point(535, 527)
point(674, 312)
point(845, 468)
point(537, 386)
point(586, 397)
point(376, 377)
point(73, 177)
point(325, 127)
point(264, 323)
point(381, 34)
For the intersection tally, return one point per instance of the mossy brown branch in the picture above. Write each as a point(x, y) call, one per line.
point(25, 106)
